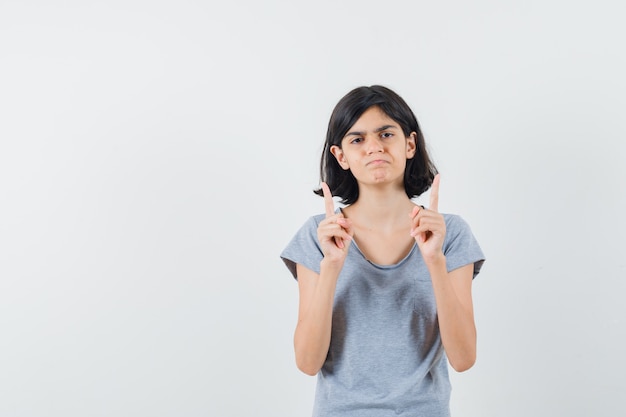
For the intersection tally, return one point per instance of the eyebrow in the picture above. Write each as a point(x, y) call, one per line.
point(380, 129)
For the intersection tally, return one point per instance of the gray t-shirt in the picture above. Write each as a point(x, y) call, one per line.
point(385, 356)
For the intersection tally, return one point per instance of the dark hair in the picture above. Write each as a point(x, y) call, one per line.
point(419, 171)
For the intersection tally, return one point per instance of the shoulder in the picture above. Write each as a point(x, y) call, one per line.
point(460, 245)
point(313, 221)
point(454, 221)
point(304, 248)
point(457, 229)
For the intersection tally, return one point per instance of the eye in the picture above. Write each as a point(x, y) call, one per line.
point(356, 140)
point(386, 135)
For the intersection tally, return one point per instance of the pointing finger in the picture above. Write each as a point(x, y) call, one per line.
point(328, 200)
point(434, 194)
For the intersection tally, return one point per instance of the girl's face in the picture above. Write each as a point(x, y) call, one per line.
point(375, 149)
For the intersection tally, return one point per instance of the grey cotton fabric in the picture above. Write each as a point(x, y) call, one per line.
point(385, 356)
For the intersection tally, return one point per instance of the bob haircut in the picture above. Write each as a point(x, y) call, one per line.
point(420, 170)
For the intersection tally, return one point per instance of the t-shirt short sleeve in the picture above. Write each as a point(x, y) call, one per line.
point(304, 248)
point(460, 246)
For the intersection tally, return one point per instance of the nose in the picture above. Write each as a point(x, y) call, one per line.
point(374, 145)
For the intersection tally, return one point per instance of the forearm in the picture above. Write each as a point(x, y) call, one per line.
point(455, 316)
point(313, 331)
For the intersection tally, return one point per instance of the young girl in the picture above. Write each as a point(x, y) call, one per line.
point(385, 284)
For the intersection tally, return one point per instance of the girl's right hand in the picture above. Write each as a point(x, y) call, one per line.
point(334, 232)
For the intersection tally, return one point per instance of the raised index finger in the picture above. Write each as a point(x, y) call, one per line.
point(328, 200)
point(434, 194)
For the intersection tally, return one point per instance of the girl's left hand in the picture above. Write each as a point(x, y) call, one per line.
point(429, 227)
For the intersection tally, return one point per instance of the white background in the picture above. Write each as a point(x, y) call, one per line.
point(156, 156)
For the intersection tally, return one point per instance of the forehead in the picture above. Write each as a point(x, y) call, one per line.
point(373, 118)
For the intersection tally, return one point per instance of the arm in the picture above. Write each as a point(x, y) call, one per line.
point(312, 335)
point(453, 295)
point(317, 292)
point(453, 290)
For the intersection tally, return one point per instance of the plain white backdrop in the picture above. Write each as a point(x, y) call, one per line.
point(156, 156)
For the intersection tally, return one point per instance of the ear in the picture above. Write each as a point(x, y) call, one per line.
point(411, 145)
point(339, 156)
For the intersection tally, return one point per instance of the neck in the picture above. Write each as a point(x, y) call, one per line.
point(381, 207)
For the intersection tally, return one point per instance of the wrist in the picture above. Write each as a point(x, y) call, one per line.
point(437, 260)
point(331, 265)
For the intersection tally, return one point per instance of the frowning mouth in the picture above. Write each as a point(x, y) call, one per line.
point(377, 162)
